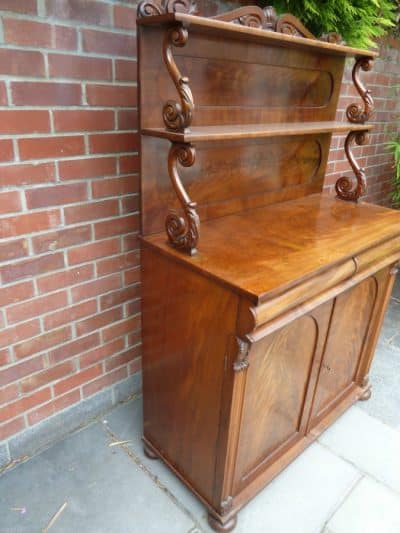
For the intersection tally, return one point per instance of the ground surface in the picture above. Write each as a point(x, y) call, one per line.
point(346, 482)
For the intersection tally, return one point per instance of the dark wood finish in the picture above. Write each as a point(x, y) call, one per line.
point(259, 334)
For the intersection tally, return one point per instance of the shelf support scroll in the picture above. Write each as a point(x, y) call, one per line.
point(177, 116)
point(345, 188)
point(183, 231)
point(357, 113)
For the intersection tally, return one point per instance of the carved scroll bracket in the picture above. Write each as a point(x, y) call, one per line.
point(183, 231)
point(177, 116)
point(345, 188)
point(357, 113)
point(242, 361)
point(149, 8)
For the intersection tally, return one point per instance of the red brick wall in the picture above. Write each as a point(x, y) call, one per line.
point(69, 319)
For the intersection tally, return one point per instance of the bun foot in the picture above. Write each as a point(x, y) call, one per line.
point(149, 452)
point(366, 395)
point(216, 525)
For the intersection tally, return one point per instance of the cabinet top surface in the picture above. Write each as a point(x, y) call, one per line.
point(264, 251)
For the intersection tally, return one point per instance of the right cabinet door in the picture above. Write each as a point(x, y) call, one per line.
point(350, 340)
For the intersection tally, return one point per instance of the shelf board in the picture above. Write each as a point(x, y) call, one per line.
point(236, 31)
point(254, 131)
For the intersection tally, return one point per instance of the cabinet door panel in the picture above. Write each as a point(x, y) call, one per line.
point(277, 380)
point(351, 318)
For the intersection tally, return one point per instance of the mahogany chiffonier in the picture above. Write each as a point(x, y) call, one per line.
point(262, 297)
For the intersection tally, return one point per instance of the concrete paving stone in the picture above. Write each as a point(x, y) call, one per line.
point(367, 443)
point(391, 327)
point(396, 288)
point(126, 422)
point(4, 455)
point(370, 508)
point(128, 387)
point(105, 491)
point(384, 403)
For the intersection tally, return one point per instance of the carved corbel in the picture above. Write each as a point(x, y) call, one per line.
point(177, 116)
point(183, 231)
point(149, 8)
point(345, 188)
point(357, 113)
point(242, 361)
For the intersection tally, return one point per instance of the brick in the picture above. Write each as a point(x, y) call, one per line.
point(17, 333)
point(36, 307)
point(81, 68)
point(132, 276)
point(6, 150)
point(12, 410)
point(52, 407)
point(104, 381)
point(74, 312)
point(88, 252)
point(19, 6)
point(4, 358)
point(95, 288)
point(9, 393)
point(125, 70)
point(132, 308)
point(3, 94)
point(113, 142)
point(130, 242)
point(121, 328)
point(135, 366)
point(98, 354)
point(119, 297)
point(45, 93)
point(65, 278)
point(125, 17)
point(115, 44)
point(32, 267)
point(29, 223)
point(21, 63)
point(113, 187)
point(20, 370)
point(123, 358)
point(46, 376)
point(78, 379)
point(41, 343)
point(98, 321)
point(115, 264)
point(111, 95)
point(9, 202)
point(87, 168)
point(134, 338)
point(130, 164)
point(49, 242)
point(74, 348)
point(89, 11)
point(127, 119)
point(91, 211)
point(33, 33)
point(16, 293)
point(51, 147)
point(117, 227)
point(56, 195)
point(24, 121)
point(11, 428)
point(26, 174)
point(83, 120)
point(130, 204)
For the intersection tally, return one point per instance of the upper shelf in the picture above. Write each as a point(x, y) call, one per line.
point(254, 131)
point(229, 29)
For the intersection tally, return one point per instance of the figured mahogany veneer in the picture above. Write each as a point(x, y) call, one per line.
point(262, 298)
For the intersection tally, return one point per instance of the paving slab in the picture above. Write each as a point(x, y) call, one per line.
point(367, 443)
point(391, 326)
point(104, 489)
point(396, 288)
point(370, 508)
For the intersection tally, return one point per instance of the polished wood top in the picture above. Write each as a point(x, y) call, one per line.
point(263, 252)
point(236, 31)
point(254, 131)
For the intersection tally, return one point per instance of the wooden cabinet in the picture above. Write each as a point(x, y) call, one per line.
point(262, 298)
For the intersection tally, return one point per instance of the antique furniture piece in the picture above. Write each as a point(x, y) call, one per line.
point(262, 297)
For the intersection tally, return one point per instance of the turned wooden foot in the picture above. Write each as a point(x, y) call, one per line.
point(216, 525)
point(149, 452)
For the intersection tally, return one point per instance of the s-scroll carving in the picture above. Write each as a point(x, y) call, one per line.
point(357, 113)
point(242, 361)
point(183, 231)
point(177, 115)
point(345, 188)
point(149, 8)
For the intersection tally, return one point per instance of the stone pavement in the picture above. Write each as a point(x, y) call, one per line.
point(346, 482)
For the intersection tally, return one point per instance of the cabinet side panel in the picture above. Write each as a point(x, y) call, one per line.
point(186, 323)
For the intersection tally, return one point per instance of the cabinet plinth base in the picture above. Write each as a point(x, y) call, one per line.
point(216, 525)
point(149, 452)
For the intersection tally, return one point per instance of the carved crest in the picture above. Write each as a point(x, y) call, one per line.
point(345, 188)
point(242, 361)
point(149, 8)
